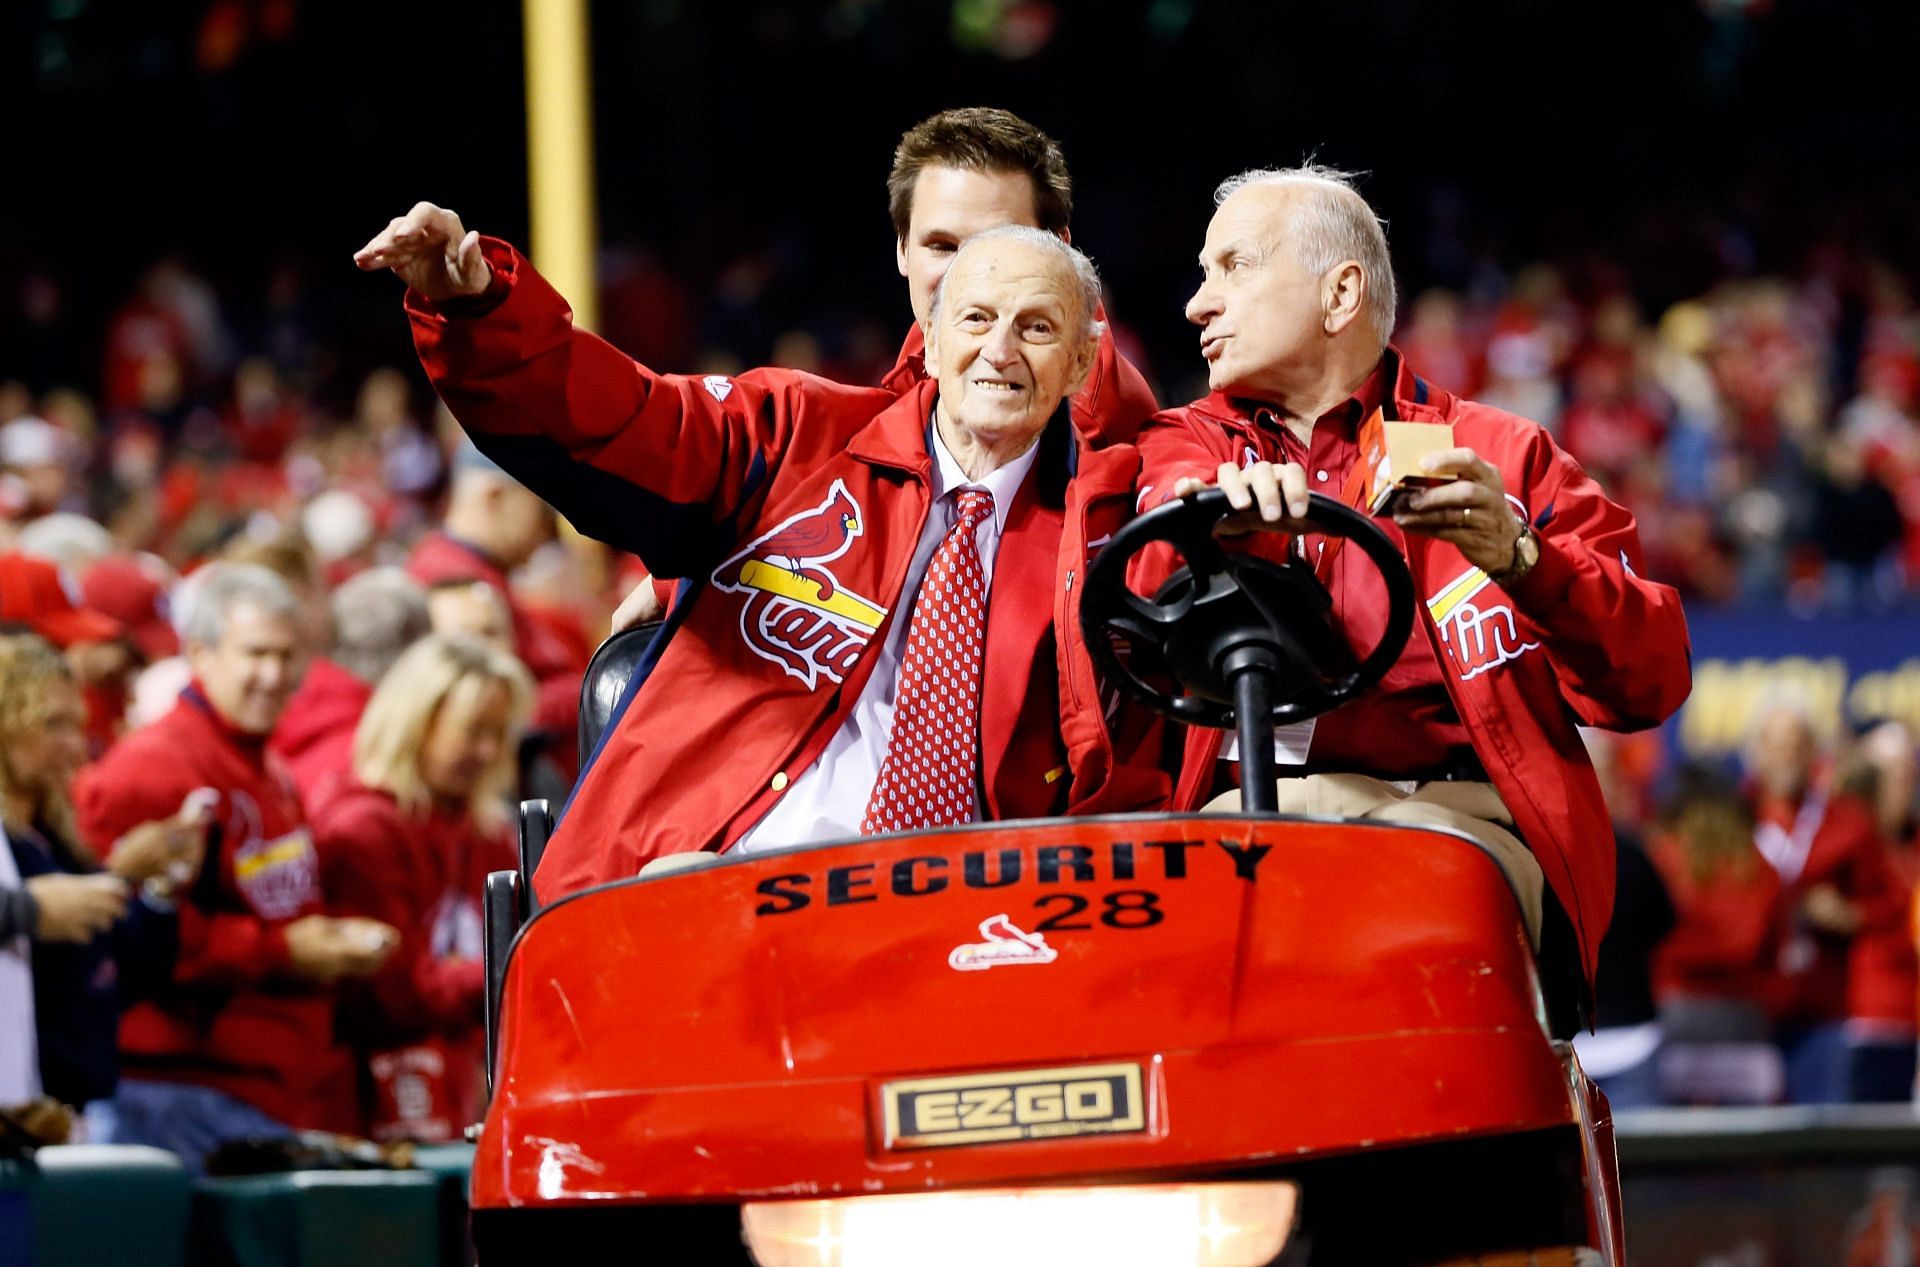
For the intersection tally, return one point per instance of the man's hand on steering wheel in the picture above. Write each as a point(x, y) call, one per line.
point(1471, 514)
point(1269, 496)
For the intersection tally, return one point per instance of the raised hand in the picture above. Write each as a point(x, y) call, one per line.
point(431, 251)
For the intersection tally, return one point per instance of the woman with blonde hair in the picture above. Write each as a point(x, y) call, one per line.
point(410, 842)
point(101, 934)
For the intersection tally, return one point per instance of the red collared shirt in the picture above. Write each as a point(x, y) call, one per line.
point(1406, 723)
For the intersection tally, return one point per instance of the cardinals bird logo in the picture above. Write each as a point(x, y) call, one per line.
point(1006, 943)
point(797, 613)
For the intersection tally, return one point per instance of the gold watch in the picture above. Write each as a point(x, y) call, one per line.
point(1526, 553)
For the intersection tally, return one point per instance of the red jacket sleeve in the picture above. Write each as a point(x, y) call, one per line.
point(219, 948)
point(1172, 448)
point(373, 865)
point(1116, 401)
point(652, 463)
point(1617, 640)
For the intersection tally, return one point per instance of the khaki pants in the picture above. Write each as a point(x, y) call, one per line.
point(1473, 809)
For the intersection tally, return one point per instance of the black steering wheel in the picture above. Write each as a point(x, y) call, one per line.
point(1251, 642)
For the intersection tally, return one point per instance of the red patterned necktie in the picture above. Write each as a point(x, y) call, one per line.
point(926, 778)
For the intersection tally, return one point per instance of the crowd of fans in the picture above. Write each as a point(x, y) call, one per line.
point(272, 672)
point(1763, 943)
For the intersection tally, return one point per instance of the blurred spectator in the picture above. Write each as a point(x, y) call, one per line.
point(36, 469)
point(411, 843)
point(471, 609)
point(21, 915)
point(1835, 884)
point(1436, 340)
point(282, 550)
point(1531, 336)
point(1622, 1053)
point(265, 418)
point(1612, 418)
point(411, 464)
point(1883, 976)
point(376, 616)
point(1856, 525)
point(132, 589)
point(1712, 973)
point(240, 1041)
point(103, 936)
point(73, 542)
point(33, 594)
point(493, 525)
point(341, 528)
point(166, 335)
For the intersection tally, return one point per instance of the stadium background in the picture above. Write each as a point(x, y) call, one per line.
point(1567, 174)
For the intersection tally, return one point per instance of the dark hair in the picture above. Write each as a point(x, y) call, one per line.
point(982, 139)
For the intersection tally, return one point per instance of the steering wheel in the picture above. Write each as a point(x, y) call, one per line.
point(1229, 622)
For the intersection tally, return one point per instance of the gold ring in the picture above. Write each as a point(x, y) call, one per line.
point(1466, 514)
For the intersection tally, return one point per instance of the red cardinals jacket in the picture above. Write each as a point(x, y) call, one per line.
point(1582, 639)
point(732, 482)
point(234, 1017)
point(423, 874)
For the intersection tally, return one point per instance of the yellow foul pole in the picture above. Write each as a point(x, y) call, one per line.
point(560, 150)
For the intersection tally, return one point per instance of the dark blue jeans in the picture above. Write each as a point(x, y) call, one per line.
point(186, 1120)
point(1881, 1072)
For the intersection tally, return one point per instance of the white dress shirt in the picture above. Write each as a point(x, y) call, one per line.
point(829, 798)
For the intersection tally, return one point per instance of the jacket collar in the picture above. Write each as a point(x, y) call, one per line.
point(898, 438)
point(1412, 397)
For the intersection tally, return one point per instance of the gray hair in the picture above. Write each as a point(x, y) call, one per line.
point(229, 586)
point(1086, 277)
point(1332, 223)
point(75, 542)
point(377, 615)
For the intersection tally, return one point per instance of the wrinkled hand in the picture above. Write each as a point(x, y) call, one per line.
point(431, 251)
point(77, 908)
point(639, 606)
point(168, 850)
point(324, 949)
point(1268, 496)
point(1471, 513)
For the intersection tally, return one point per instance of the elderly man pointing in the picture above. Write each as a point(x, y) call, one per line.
point(883, 635)
point(1531, 616)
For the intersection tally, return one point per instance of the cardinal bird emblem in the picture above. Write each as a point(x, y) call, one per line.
point(797, 613)
point(1006, 943)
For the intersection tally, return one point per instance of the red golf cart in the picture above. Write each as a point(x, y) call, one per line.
point(1208, 1040)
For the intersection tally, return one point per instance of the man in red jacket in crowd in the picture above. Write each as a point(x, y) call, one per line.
point(376, 615)
point(842, 543)
point(492, 526)
point(240, 1043)
point(1531, 617)
point(956, 174)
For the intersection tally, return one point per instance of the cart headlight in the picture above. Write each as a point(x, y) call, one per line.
point(1158, 1225)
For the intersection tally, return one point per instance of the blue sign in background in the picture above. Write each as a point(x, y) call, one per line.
point(1849, 670)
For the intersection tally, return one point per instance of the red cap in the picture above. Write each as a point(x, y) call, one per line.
point(121, 588)
point(33, 594)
